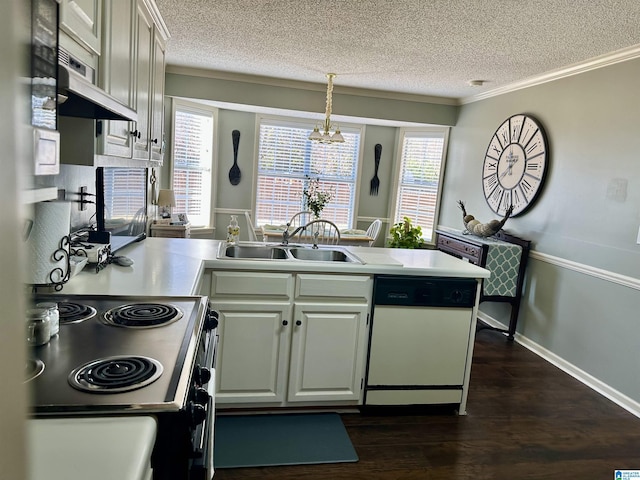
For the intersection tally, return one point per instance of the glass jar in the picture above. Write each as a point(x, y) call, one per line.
point(38, 326)
point(54, 316)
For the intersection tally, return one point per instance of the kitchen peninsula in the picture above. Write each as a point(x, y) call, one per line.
point(294, 310)
point(295, 333)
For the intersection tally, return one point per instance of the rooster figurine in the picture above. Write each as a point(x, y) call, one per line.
point(473, 226)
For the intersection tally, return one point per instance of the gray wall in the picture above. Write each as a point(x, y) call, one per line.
point(581, 293)
point(311, 98)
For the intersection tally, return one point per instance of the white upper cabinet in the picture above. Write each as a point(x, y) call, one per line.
point(157, 97)
point(144, 46)
point(117, 73)
point(130, 67)
point(81, 28)
point(151, 42)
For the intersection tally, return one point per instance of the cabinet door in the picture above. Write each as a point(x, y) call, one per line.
point(117, 73)
point(157, 99)
point(252, 361)
point(327, 352)
point(144, 46)
point(80, 19)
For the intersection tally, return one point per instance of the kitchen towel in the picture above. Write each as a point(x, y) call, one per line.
point(51, 222)
point(281, 439)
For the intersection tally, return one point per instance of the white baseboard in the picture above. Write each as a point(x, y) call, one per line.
point(590, 381)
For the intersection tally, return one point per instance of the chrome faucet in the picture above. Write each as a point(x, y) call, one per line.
point(286, 235)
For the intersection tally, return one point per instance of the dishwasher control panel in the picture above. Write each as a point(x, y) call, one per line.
point(424, 291)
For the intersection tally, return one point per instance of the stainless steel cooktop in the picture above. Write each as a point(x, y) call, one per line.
point(172, 345)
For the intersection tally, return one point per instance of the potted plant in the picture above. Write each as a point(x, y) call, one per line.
point(315, 199)
point(404, 235)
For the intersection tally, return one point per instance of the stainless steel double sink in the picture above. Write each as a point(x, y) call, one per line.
point(256, 251)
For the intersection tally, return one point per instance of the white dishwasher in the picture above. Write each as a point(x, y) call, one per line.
point(421, 340)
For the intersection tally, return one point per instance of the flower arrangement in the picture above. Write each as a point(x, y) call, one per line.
point(315, 199)
point(404, 235)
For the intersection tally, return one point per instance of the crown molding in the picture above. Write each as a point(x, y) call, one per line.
point(300, 85)
point(606, 60)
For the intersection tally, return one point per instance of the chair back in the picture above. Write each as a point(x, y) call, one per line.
point(250, 228)
point(138, 224)
point(374, 230)
point(325, 232)
point(299, 219)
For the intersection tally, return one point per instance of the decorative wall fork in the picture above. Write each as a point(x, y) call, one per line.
point(375, 181)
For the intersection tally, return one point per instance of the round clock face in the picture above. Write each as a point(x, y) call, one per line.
point(515, 165)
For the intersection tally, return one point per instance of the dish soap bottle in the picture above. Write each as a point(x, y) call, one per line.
point(233, 230)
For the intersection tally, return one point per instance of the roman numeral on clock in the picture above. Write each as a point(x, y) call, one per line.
point(496, 196)
point(526, 187)
point(490, 182)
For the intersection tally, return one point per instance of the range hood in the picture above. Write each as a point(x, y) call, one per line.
point(79, 98)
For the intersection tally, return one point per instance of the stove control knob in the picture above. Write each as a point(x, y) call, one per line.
point(202, 375)
point(197, 414)
point(211, 322)
point(201, 396)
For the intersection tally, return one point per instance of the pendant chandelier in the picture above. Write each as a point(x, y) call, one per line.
point(326, 136)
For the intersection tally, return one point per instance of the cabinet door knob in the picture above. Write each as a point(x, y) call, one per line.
point(298, 323)
point(155, 140)
point(285, 323)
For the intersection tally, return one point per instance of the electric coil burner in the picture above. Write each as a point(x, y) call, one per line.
point(71, 312)
point(33, 368)
point(142, 315)
point(115, 374)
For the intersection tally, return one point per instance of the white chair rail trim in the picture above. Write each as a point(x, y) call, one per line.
point(600, 273)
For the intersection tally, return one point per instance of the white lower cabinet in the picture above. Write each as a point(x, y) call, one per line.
point(251, 362)
point(327, 352)
point(281, 345)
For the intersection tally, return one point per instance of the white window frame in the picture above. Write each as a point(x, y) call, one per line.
point(427, 234)
point(309, 124)
point(202, 109)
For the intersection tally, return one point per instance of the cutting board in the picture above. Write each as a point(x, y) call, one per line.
point(377, 259)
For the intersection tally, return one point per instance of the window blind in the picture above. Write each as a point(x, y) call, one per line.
point(192, 163)
point(124, 192)
point(286, 162)
point(419, 179)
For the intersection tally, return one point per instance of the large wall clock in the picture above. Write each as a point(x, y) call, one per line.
point(515, 165)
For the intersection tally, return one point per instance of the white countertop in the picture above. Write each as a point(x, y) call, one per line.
point(96, 448)
point(173, 266)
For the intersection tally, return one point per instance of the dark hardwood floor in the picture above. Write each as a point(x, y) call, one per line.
point(526, 420)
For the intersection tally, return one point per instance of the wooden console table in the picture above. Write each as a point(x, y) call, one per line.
point(503, 254)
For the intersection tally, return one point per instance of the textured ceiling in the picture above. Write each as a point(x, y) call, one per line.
point(412, 46)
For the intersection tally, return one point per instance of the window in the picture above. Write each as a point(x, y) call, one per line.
point(287, 160)
point(419, 178)
point(124, 192)
point(192, 161)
